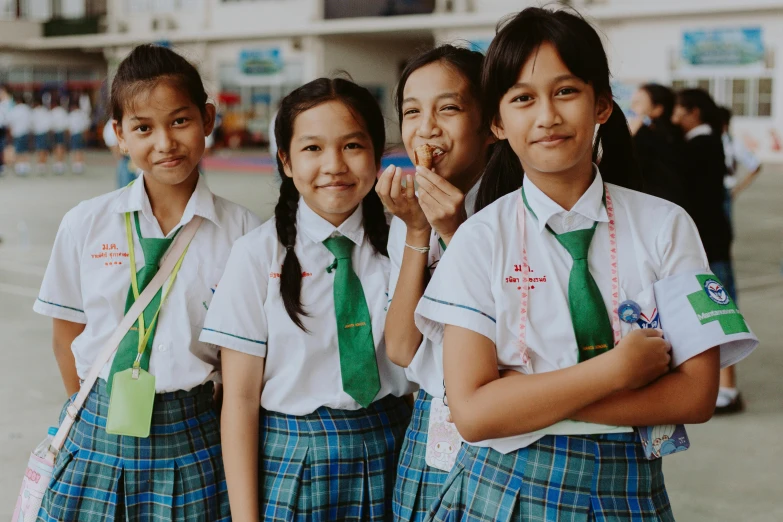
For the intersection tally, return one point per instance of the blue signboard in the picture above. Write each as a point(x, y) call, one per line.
point(254, 62)
point(729, 46)
point(480, 45)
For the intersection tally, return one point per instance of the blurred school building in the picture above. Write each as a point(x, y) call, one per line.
point(252, 52)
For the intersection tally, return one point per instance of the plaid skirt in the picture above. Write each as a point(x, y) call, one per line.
point(418, 485)
point(331, 464)
point(175, 474)
point(557, 478)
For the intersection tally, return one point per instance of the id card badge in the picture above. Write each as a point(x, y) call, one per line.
point(131, 403)
point(657, 441)
point(443, 441)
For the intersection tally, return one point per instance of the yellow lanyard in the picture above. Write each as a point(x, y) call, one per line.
point(145, 336)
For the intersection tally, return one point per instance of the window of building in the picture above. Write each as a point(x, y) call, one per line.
point(748, 97)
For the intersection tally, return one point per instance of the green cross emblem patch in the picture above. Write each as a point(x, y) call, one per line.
point(713, 303)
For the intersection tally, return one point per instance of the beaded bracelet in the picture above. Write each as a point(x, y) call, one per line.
point(420, 250)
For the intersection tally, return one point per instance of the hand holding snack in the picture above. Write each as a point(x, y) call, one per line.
point(402, 201)
point(442, 203)
point(422, 155)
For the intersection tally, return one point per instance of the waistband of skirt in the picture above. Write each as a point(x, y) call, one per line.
point(390, 403)
point(201, 391)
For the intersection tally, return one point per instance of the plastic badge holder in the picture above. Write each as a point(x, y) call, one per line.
point(35, 482)
point(131, 403)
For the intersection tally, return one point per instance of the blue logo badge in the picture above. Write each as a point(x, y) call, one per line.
point(629, 312)
point(716, 292)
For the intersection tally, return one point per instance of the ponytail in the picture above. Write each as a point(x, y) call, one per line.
point(502, 175)
point(291, 271)
point(613, 151)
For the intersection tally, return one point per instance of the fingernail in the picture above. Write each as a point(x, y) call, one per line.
point(389, 169)
point(418, 169)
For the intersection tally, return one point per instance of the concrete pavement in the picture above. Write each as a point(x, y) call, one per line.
point(733, 471)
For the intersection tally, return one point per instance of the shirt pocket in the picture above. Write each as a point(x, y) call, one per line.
point(201, 287)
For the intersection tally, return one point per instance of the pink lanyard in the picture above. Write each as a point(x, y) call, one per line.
point(523, 348)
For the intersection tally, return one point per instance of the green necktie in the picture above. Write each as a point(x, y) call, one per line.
point(154, 249)
point(592, 328)
point(358, 365)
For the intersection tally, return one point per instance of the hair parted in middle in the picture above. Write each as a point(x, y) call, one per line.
point(366, 109)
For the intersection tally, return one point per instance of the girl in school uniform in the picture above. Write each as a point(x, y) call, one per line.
point(41, 126)
point(299, 317)
point(438, 105)
point(78, 125)
point(59, 127)
point(543, 379)
point(161, 116)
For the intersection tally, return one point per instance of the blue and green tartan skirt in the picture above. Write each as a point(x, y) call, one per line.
point(175, 474)
point(418, 485)
point(331, 464)
point(557, 478)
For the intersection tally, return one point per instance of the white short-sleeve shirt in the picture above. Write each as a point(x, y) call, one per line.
point(78, 121)
point(426, 367)
point(88, 278)
point(302, 370)
point(42, 120)
point(478, 282)
point(59, 119)
point(20, 120)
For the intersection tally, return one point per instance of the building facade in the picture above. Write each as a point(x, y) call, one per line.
point(253, 52)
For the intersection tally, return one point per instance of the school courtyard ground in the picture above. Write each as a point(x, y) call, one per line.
point(733, 471)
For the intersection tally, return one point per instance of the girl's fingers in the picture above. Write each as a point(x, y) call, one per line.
point(396, 184)
point(438, 182)
point(410, 189)
point(382, 186)
point(427, 186)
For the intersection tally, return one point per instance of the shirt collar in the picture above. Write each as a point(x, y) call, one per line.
point(699, 130)
point(590, 205)
point(317, 229)
point(133, 198)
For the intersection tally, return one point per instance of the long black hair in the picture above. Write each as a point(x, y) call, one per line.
point(581, 50)
point(145, 67)
point(708, 110)
point(364, 107)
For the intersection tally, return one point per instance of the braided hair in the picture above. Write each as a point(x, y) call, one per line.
point(361, 102)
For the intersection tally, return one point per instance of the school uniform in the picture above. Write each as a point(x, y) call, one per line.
point(41, 125)
point(78, 124)
point(19, 124)
point(59, 124)
point(571, 470)
point(176, 473)
point(419, 484)
point(323, 455)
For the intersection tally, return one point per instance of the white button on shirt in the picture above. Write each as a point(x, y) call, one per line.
point(88, 278)
point(302, 370)
point(478, 282)
point(426, 367)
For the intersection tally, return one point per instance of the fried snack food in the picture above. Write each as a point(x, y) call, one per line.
point(422, 155)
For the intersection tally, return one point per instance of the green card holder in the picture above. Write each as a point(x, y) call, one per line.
point(131, 403)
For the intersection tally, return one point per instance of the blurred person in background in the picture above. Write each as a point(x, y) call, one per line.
point(737, 155)
point(41, 125)
point(78, 125)
point(705, 163)
point(5, 107)
point(658, 142)
point(125, 170)
point(59, 116)
point(20, 124)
